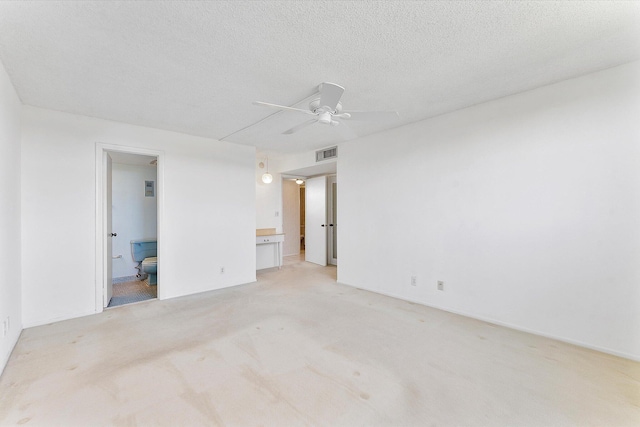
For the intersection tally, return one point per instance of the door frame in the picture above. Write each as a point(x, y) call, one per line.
point(107, 162)
point(102, 212)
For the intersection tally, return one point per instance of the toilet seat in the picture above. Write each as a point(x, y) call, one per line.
point(150, 265)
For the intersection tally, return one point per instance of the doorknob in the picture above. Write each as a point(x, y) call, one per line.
point(330, 225)
point(322, 225)
point(113, 234)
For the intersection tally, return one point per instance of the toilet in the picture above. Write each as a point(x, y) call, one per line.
point(145, 253)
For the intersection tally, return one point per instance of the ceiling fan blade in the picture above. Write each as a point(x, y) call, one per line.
point(345, 131)
point(281, 107)
point(300, 126)
point(372, 115)
point(330, 95)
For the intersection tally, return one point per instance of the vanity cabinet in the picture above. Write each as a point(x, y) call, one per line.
point(269, 251)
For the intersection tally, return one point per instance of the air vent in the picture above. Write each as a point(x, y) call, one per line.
point(326, 154)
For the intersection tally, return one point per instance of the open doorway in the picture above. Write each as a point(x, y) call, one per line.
point(313, 223)
point(134, 214)
point(292, 226)
point(316, 211)
point(128, 225)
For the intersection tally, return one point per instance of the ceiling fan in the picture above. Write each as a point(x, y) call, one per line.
point(328, 110)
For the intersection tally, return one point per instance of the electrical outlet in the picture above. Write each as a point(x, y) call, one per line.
point(221, 270)
point(414, 280)
point(440, 285)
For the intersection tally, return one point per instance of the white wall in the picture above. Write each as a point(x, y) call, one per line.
point(134, 216)
point(268, 196)
point(10, 224)
point(294, 161)
point(208, 217)
point(527, 207)
point(291, 217)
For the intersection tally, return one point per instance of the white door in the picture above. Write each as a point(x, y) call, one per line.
point(332, 217)
point(108, 262)
point(315, 234)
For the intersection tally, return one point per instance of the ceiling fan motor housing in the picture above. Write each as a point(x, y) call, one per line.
point(316, 108)
point(325, 118)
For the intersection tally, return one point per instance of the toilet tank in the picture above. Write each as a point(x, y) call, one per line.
point(144, 248)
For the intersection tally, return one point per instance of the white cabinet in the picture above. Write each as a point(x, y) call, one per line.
point(269, 251)
point(275, 238)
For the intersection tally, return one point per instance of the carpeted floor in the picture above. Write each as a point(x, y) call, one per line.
point(128, 292)
point(298, 349)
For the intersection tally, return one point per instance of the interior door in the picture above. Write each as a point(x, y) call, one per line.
point(332, 216)
point(316, 220)
point(108, 262)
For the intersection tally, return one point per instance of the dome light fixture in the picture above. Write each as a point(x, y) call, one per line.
point(299, 181)
point(267, 178)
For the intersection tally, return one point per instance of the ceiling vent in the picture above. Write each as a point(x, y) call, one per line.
point(326, 154)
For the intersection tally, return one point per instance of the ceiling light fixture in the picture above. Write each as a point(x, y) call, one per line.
point(267, 178)
point(299, 181)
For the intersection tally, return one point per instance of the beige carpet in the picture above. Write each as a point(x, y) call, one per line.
point(298, 349)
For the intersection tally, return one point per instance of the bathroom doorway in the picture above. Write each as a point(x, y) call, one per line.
point(134, 217)
point(128, 207)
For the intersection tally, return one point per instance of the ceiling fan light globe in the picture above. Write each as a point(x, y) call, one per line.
point(299, 181)
point(267, 178)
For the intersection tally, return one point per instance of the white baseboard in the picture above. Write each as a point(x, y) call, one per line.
point(40, 322)
point(7, 356)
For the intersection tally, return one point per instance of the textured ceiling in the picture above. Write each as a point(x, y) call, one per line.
point(196, 67)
